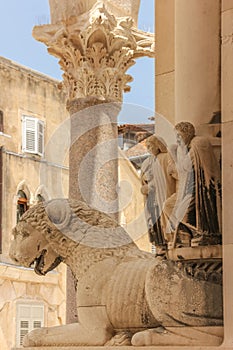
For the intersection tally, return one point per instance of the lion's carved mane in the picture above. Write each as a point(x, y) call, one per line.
point(84, 219)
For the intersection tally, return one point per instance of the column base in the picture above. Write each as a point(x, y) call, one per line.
point(196, 338)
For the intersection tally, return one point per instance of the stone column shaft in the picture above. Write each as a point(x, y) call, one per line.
point(165, 59)
point(197, 60)
point(94, 154)
point(93, 178)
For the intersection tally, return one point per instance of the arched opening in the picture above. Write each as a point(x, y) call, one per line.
point(22, 204)
point(41, 194)
point(39, 198)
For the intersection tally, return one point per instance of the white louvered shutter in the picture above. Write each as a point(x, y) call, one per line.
point(33, 135)
point(29, 134)
point(24, 329)
point(40, 138)
point(29, 317)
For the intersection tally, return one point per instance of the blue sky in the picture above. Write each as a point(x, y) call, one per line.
point(17, 18)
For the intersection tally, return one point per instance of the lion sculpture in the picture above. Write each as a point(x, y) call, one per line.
point(124, 296)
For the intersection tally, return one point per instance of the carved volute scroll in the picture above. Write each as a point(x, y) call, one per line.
point(95, 47)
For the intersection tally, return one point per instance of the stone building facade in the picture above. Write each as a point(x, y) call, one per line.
point(31, 109)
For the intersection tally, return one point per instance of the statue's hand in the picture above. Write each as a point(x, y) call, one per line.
point(145, 190)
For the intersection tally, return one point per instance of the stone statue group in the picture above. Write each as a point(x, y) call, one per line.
point(182, 190)
point(126, 296)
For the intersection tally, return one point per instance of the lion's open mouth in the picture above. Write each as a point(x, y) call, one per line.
point(40, 263)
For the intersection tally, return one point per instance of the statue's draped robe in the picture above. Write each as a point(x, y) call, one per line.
point(160, 186)
point(197, 203)
point(207, 186)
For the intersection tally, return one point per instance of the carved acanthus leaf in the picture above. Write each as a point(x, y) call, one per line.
point(96, 58)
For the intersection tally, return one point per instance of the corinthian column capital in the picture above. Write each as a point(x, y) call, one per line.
point(95, 49)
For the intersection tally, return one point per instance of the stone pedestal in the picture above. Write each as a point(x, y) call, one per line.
point(221, 347)
point(215, 344)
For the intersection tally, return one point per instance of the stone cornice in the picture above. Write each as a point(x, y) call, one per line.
point(8, 65)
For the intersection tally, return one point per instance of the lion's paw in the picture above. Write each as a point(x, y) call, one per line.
point(149, 337)
point(120, 339)
point(34, 338)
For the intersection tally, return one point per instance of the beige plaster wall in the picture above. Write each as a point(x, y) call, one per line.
point(143, 243)
point(131, 203)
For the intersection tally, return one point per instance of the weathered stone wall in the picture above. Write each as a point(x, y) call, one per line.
point(23, 285)
point(24, 91)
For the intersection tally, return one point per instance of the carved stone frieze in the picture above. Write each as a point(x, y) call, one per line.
point(95, 50)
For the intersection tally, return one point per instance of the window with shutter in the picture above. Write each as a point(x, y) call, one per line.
point(29, 317)
point(24, 329)
point(33, 135)
point(37, 324)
